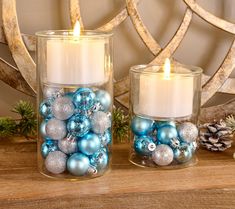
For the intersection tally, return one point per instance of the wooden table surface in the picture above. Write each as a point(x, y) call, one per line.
point(208, 185)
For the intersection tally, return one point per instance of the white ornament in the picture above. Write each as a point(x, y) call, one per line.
point(68, 145)
point(49, 92)
point(188, 132)
point(56, 162)
point(100, 122)
point(163, 155)
point(63, 108)
point(56, 129)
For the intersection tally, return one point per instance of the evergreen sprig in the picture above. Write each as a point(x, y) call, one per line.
point(25, 125)
point(120, 125)
point(230, 122)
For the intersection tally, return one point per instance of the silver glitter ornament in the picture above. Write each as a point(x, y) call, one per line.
point(187, 132)
point(51, 92)
point(56, 162)
point(100, 122)
point(63, 108)
point(68, 145)
point(56, 129)
point(163, 155)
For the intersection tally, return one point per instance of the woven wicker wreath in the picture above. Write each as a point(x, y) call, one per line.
point(23, 78)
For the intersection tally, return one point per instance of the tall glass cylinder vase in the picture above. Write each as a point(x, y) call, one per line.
point(164, 109)
point(75, 97)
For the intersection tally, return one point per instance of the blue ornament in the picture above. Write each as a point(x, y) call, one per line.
point(159, 124)
point(78, 164)
point(45, 109)
point(106, 138)
point(141, 126)
point(144, 145)
point(104, 99)
point(78, 125)
point(84, 98)
point(49, 146)
point(69, 95)
point(89, 144)
point(100, 160)
point(43, 128)
point(183, 154)
point(166, 133)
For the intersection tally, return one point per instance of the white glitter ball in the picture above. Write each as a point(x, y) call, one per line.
point(163, 155)
point(188, 132)
point(100, 122)
point(56, 129)
point(56, 162)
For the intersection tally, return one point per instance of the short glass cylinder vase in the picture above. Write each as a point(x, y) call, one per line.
point(164, 109)
point(75, 99)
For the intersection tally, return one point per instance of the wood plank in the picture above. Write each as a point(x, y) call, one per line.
point(209, 184)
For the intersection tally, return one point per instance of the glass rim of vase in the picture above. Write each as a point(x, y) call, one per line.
point(176, 69)
point(68, 34)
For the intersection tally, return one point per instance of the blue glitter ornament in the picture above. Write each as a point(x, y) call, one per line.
point(104, 99)
point(100, 160)
point(144, 145)
point(78, 164)
point(141, 126)
point(49, 146)
point(166, 133)
point(43, 128)
point(45, 109)
point(78, 125)
point(84, 98)
point(89, 144)
point(183, 154)
point(159, 124)
point(106, 138)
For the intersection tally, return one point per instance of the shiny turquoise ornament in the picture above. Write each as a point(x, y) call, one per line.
point(49, 146)
point(78, 164)
point(78, 125)
point(100, 160)
point(84, 98)
point(106, 138)
point(183, 154)
point(144, 145)
point(141, 126)
point(159, 124)
point(166, 133)
point(104, 98)
point(45, 109)
point(89, 144)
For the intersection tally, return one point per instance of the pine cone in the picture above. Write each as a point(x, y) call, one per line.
point(216, 136)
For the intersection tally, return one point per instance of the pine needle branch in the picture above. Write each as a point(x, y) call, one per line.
point(230, 121)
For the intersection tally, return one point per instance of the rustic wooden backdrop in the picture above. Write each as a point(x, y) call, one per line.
point(23, 77)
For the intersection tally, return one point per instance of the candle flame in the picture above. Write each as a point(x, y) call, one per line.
point(77, 29)
point(167, 69)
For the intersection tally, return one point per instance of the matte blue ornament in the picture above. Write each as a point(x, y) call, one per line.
point(183, 154)
point(49, 146)
point(78, 125)
point(84, 98)
point(100, 160)
point(89, 144)
point(45, 109)
point(43, 128)
point(106, 138)
point(166, 133)
point(159, 124)
point(78, 164)
point(141, 126)
point(144, 145)
point(104, 98)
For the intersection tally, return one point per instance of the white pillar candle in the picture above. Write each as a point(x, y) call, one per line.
point(77, 60)
point(165, 97)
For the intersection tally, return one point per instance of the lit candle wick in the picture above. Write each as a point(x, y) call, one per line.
point(167, 69)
